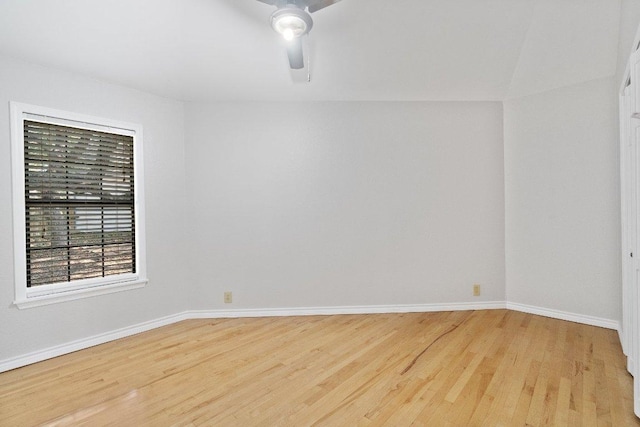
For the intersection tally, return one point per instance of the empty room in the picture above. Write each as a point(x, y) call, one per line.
point(319, 212)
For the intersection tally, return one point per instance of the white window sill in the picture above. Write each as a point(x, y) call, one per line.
point(58, 297)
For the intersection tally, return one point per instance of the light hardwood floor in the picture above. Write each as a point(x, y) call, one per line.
point(474, 368)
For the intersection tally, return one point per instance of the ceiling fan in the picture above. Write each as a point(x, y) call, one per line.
point(292, 21)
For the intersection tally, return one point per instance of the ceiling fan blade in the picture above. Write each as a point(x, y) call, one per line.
point(294, 52)
point(270, 2)
point(315, 5)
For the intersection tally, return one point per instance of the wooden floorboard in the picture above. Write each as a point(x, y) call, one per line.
point(473, 368)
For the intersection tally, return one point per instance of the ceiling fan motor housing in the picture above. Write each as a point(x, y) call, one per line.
point(291, 21)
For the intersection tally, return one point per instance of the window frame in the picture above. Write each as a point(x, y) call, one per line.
point(26, 297)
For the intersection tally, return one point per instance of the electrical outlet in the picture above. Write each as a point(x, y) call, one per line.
point(228, 297)
point(476, 290)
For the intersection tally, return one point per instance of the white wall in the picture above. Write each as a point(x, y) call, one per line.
point(629, 20)
point(23, 331)
point(562, 200)
point(345, 203)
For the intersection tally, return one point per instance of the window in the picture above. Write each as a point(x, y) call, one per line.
point(78, 212)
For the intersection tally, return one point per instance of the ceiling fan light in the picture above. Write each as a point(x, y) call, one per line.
point(291, 22)
point(288, 34)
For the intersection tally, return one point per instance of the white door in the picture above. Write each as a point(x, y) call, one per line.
point(628, 215)
point(633, 295)
point(630, 131)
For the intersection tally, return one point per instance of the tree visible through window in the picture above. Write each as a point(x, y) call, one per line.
point(79, 203)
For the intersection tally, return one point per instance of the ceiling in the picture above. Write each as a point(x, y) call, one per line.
point(204, 50)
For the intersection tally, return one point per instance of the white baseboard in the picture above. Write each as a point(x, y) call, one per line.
point(565, 315)
point(59, 350)
point(353, 309)
point(48, 353)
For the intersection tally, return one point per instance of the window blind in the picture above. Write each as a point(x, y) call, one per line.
point(79, 203)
